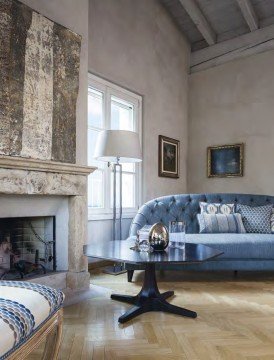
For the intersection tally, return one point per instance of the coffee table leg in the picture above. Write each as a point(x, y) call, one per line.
point(167, 294)
point(132, 313)
point(167, 307)
point(124, 298)
point(150, 299)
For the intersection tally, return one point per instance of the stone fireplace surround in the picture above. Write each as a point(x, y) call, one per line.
point(22, 177)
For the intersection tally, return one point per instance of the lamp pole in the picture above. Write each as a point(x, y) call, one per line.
point(116, 147)
point(117, 168)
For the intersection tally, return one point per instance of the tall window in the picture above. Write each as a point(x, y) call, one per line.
point(112, 107)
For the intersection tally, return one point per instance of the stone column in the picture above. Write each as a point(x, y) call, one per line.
point(78, 275)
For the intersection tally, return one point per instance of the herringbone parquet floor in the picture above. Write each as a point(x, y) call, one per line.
point(235, 321)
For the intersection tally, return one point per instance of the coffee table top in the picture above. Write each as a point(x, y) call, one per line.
point(119, 250)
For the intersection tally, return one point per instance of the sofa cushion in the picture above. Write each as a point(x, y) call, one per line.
point(216, 208)
point(220, 223)
point(256, 219)
point(24, 307)
point(237, 246)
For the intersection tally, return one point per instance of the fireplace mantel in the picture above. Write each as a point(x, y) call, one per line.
point(28, 176)
point(19, 163)
point(24, 176)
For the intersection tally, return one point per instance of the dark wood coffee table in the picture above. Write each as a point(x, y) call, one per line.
point(149, 298)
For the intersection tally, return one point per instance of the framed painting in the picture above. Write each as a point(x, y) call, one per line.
point(225, 160)
point(169, 152)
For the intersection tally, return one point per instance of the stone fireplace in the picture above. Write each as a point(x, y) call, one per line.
point(40, 112)
point(37, 189)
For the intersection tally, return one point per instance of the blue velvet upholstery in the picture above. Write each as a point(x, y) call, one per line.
point(186, 207)
point(241, 251)
point(237, 246)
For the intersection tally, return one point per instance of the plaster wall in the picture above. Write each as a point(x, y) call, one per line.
point(73, 15)
point(233, 103)
point(136, 45)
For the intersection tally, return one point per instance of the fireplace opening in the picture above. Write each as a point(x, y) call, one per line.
point(27, 247)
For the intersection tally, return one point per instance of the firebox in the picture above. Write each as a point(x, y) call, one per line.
point(27, 247)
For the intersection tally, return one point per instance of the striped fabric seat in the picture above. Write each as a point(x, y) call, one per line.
point(24, 308)
point(220, 223)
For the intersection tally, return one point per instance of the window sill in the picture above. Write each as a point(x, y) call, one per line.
point(109, 216)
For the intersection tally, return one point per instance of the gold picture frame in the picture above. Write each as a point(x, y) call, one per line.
point(225, 161)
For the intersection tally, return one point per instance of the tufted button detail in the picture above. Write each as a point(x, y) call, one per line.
point(178, 207)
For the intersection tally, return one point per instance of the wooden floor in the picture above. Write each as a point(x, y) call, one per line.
point(235, 320)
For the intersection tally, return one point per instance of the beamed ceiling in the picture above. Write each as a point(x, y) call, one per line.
point(221, 30)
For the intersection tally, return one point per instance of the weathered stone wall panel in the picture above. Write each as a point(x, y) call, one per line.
point(5, 35)
point(21, 20)
point(39, 72)
point(66, 63)
point(38, 89)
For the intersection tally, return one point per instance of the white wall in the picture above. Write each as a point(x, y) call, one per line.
point(136, 45)
point(102, 230)
point(73, 15)
point(233, 103)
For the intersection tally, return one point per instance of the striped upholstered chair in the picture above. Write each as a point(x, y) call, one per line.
point(28, 313)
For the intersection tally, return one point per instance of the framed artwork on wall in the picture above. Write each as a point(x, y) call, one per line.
point(169, 152)
point(225, 160)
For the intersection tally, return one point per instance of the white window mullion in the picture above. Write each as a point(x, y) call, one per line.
point(125, 107)
point(108, 169)
point(108, 108)
point(139, 129)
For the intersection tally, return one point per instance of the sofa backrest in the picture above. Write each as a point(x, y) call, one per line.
point(186, 207)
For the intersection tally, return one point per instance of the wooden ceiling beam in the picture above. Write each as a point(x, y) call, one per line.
point(251, 43)
point(249, 14)
point(199, 20)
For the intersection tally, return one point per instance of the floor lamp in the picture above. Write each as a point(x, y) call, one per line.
point(117, 147)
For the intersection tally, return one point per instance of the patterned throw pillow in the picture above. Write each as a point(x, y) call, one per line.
point(256, 219)
point(217, 208)
point(220, 223)
point(272, 221)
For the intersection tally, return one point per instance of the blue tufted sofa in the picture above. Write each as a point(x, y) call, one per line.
point(241, 251)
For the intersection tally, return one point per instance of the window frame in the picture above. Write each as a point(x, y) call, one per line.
point(109, 89)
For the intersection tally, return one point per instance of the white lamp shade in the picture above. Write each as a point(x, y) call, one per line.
point(122, 144)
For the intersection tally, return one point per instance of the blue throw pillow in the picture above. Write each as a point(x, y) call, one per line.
point(256, 219)
point(220, 223)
